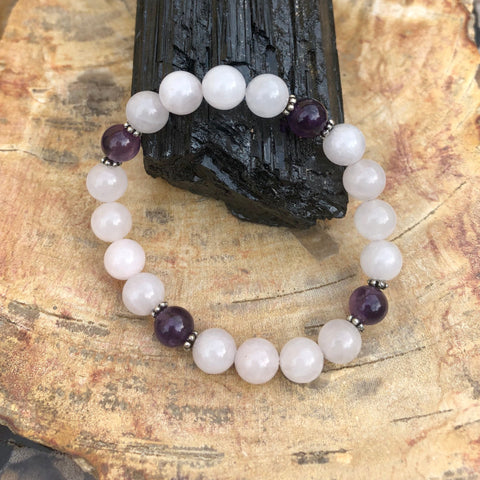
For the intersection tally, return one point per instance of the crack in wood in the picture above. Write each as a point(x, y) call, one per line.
point(401, 354)
point(413, 417)
point(204, 456)
point(429, 214)
point(296, 292)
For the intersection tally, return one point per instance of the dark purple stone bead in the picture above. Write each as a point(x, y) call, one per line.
point(308, 118)
point(368, 304)
point(173, 325)
point(119, 145)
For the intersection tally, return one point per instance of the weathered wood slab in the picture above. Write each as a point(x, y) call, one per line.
point(78, 373)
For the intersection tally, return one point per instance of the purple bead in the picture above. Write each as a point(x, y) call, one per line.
point(308, 118)
point(119, 145)
point(368, 304)
point(173, 325)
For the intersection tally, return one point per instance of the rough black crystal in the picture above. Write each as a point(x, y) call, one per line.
point(262, 174)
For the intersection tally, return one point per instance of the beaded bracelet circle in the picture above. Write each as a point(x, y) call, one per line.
point(214, 350)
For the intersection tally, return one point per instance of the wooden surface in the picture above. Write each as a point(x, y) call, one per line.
point(78, 373)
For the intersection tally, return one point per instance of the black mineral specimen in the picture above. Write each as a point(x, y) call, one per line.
point(262, 174)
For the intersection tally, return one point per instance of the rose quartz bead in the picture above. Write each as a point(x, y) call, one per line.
point(301, 360)
point(340, 341)
point(111, 221)
point(142, 293)
point(375, 219)
point(364, 180)
point(256, 360)
point(146, 113)
point(344, 145)
point(381, 260)
point(214, 350)
point(106, 184)
point(124, 259)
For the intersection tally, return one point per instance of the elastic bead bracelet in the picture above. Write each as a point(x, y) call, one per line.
point(214, 350)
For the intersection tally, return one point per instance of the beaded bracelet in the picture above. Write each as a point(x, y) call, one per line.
point(214, 350)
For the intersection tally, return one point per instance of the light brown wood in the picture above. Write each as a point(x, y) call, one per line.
point(78, 373)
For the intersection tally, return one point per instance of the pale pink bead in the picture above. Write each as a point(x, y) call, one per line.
point(375, 219)
point(381, 260)
point(111, 221)
point(364, 180)
point(214, 350)
point(142, 293)
point(106, 184)
point(124, 258)
point(340, 341)
point(301, 360)
point(344, 145)
point(256, 360)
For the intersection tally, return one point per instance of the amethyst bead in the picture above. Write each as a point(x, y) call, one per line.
point(308, 119)
point(173, 325)
point(368, 304)
point(118, 144)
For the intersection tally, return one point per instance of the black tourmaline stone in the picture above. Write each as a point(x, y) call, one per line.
point(262, 174)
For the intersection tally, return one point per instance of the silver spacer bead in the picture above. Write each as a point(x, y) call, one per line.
point(159, 308)
point(380, 284)
point(328, 128)
point(110, 163)
point(356, 322)
point(292, 100)
point(131, 130)
point(190, 341)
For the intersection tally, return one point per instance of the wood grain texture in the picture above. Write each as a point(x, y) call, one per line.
point(78, 373)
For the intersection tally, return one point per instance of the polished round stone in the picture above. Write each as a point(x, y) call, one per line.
point(340, 341)
point(301, 360)
point(173, 325)
point(256, 360)
point(364, 180)
point(124, 258)
point(308, 118)
point(344, 145)
point(267, 95)
point(142, 293)
point(381, 260)
point(368, 304)
point(111, 221)
point(119, 145)
point(181, 93)
point(375, 219)
point(146, 113)
point(214, 350)
point(223, 87)
point(106, 184)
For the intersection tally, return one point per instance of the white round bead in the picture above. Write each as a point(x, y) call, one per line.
point(146, 113)
point(375, 219)
point(301, 360)
point(142, 293)
point(381, 260)
point(214, 350)
point(124, 258)
point(340, 341)
point(267, 95)
point(344, 145)
point(181, 93)
point(106, 184)
point(224, 87)
point(364, 180)
point(111, 221)
point(256, 360)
